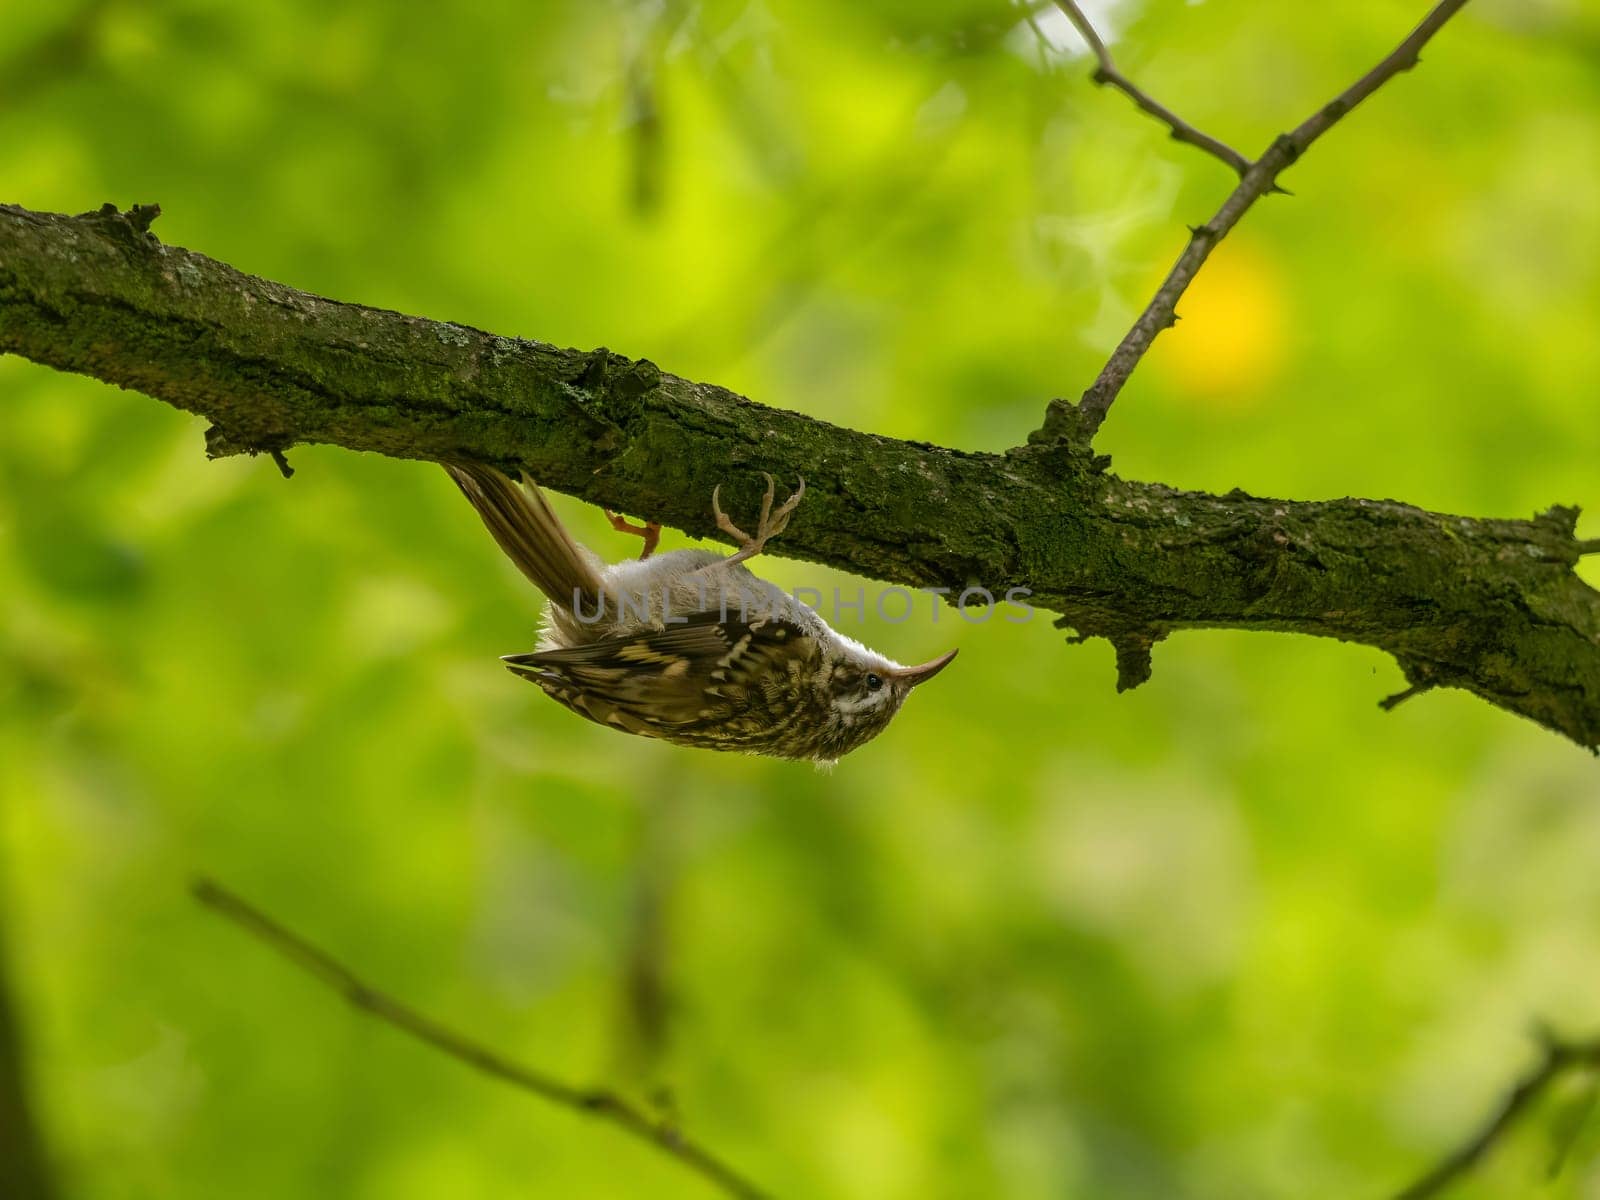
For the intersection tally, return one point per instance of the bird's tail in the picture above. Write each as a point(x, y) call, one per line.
point(530, 533)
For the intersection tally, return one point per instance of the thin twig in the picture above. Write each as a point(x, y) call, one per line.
point(1559, 1057)
point(1106, 72)
point(606, 1105)
point(1063, 421)
point(1590, 546)
point(1390, 703)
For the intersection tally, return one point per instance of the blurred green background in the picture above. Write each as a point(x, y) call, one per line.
point(1234, 934)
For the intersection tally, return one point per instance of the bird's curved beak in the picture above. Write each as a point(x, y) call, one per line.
point(925, 672)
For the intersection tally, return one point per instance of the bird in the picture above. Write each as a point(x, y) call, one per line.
point(689, 646)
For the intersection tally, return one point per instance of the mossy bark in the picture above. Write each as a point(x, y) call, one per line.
point(1492, 606)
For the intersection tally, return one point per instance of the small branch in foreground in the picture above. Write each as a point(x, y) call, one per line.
point(1106, 72)
point(1559, 1058)
point(1066, 422)
point(605, 1105)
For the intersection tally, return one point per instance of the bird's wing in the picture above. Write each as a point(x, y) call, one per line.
point(702, 675)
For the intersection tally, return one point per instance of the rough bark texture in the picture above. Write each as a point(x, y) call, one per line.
point(1492, 606)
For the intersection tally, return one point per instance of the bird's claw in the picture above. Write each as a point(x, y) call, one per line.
point(650, 531)
point(771, 523)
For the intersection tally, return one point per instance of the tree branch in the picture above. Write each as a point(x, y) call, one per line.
point(1106, 73)
point(1492, 606)
point(1560, 1057)
point(605, 1105)
point(1067, 422)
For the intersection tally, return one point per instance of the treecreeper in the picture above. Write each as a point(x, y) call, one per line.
point(689, 646)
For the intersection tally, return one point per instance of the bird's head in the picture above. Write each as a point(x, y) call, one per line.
point(861, 694)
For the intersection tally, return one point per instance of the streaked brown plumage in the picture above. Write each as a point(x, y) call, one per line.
point(688, 646)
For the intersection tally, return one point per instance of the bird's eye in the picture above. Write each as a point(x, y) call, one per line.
point(874, 681)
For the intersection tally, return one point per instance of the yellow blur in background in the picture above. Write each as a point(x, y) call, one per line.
point(1236, 331)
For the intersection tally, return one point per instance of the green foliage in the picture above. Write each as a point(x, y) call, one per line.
point(1236, 933)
